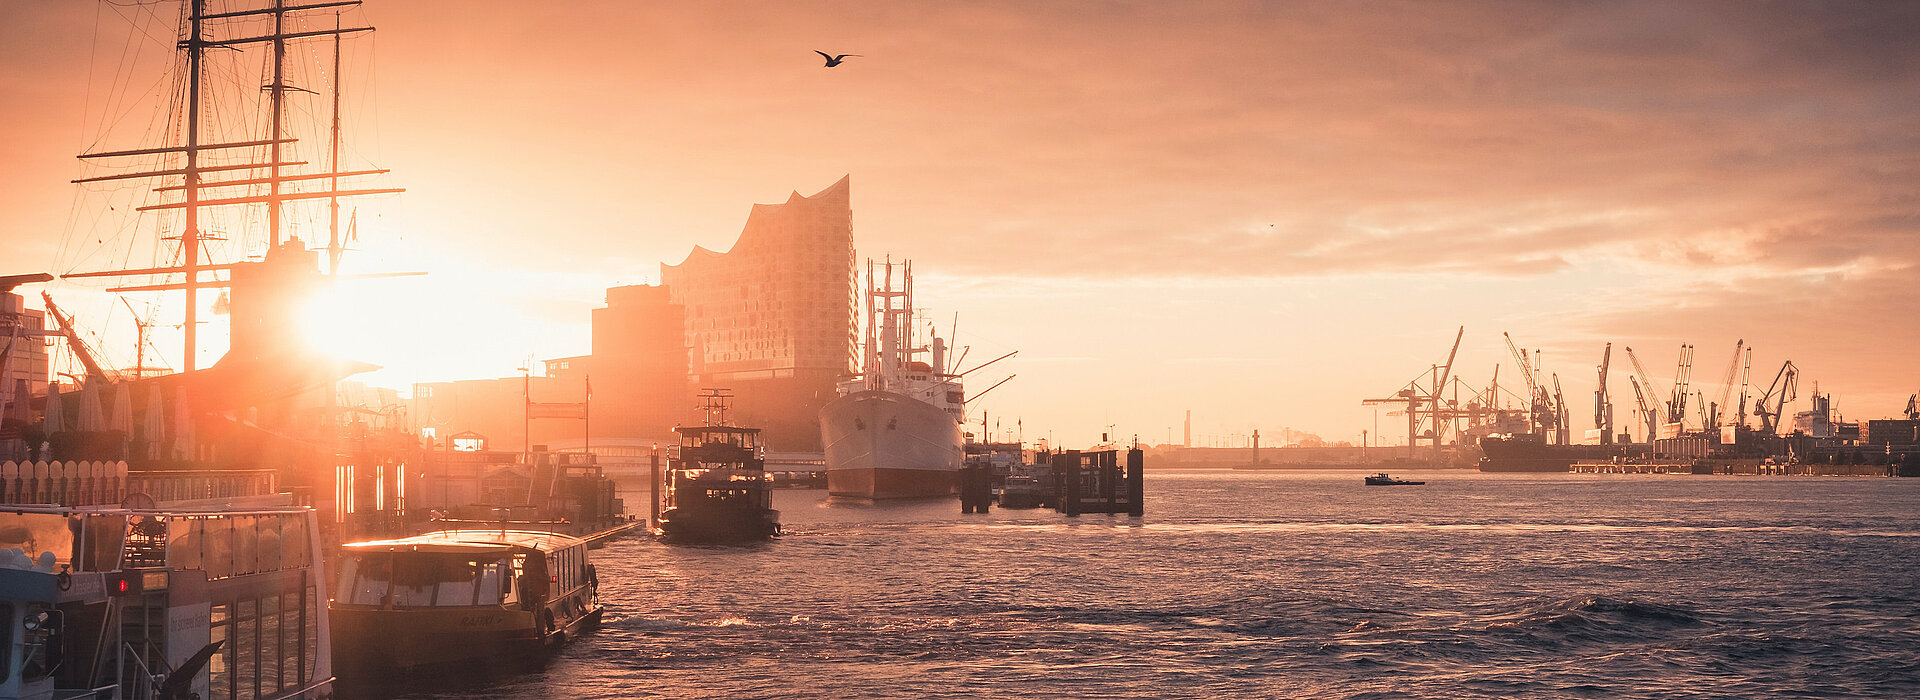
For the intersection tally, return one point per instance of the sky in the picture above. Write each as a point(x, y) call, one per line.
point(1260, 212)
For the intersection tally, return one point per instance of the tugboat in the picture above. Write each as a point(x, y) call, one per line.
point(1382, 479)
point(718, 490)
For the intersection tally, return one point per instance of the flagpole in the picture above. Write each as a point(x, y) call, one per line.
point(586, 419)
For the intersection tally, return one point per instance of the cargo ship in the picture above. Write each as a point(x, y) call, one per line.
point(895, 430)
point(1530, 452)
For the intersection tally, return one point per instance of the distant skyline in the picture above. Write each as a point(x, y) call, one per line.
point(1262, 212)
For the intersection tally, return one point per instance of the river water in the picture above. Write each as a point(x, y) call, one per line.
point(1306, 584)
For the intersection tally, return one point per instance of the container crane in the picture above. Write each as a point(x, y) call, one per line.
point(1785, 388)
point(1913, 407)
point(1425, 406)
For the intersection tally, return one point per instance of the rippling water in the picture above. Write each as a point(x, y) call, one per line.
point(1282, 584)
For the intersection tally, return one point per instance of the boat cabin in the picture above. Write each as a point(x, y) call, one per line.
point(454, 595)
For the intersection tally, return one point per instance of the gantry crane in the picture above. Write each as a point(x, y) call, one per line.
point(1429, 414)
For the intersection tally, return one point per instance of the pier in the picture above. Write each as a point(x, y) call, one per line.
point(1094, 482)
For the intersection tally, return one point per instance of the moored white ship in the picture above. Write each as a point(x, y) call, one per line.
point(895, 430)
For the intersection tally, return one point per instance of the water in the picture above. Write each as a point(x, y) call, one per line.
point(1283, 585)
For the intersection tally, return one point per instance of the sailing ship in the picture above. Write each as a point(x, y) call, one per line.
point(895, 430)
point(174, 552)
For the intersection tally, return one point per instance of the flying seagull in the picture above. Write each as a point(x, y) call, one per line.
point(835, 60)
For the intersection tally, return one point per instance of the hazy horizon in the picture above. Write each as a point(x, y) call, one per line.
point(1263, 213)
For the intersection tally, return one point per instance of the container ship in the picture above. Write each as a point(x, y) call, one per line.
point(895, 430)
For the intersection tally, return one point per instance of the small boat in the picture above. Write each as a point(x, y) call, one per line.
point(718, 490)
point(1023, 492)
point(1382, 479)
point(460, 596)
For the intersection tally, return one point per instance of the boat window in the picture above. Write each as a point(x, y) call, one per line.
point(365, 578)
point(184, 538)
point(105, 535)
point(219, 675)
point(458, 583)
point(245, 544)
point(216, 546)
point(295, 543)
point(492, 575)
point(246, 646)
point(310, 634)
point(424, 580)
point(28, 535)
point(270, 643)
point(268, 554)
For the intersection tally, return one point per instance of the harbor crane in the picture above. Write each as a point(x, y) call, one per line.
point(1602, 403)
point(1785, 388)
point(1544, 413)
point(79, 347)
point(1560, 418)
point(1646, 383)
point(1677, 405)
point(1716, 411)
point(1913, 407)
point(1430, 415)
point(1646, 412)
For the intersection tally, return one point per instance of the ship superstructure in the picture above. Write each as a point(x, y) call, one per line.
point(895, 431)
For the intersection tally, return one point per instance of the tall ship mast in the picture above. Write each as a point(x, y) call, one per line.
point(895, 431)
point(226, 198)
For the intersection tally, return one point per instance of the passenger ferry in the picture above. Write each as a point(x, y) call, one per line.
point(461, 595)
point(127, 603)
point(718, 489)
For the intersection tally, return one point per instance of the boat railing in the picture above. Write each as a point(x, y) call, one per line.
point(144, 685)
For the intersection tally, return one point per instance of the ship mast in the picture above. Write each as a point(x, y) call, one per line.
point(190, 236)
point(192, 184)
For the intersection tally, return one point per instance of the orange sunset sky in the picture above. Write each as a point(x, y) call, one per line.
point(1263, 212)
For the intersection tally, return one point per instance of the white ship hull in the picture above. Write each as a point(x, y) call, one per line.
point(880, 444)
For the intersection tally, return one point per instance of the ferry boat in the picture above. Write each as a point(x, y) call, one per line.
point(461, 596)
point(1382, 479)
point(110, 602)
point(1023, 491)
point(718, 489)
